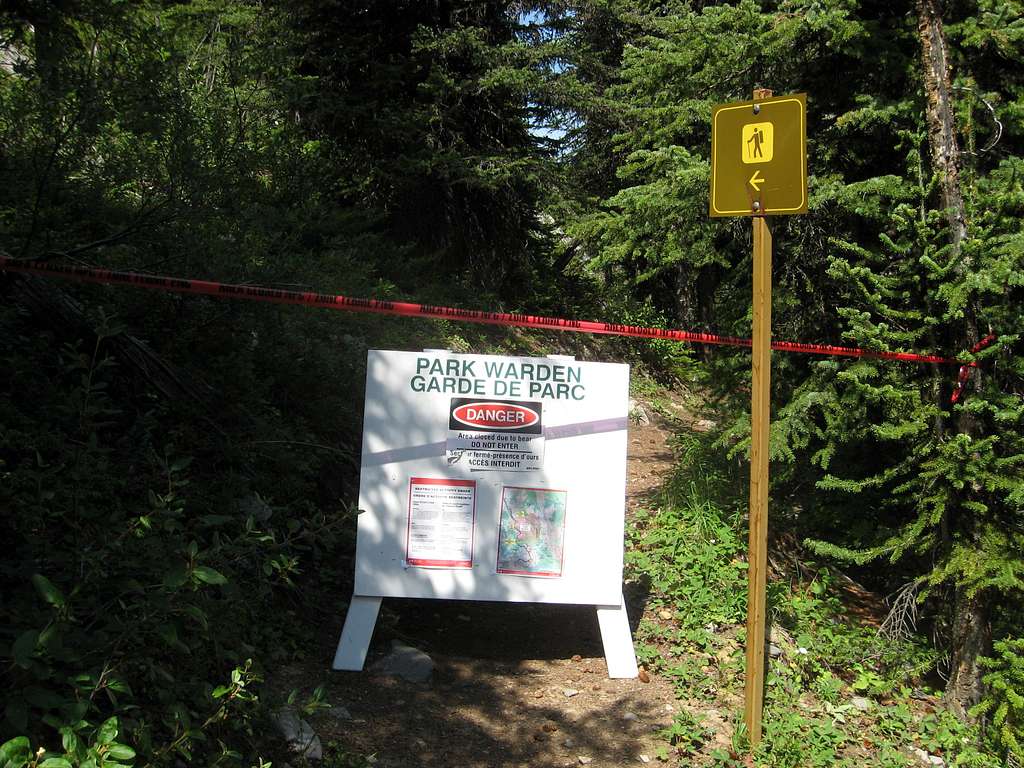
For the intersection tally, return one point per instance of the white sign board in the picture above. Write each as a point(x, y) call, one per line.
point(490, 478)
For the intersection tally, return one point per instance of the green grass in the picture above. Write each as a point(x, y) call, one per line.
point(690, 549)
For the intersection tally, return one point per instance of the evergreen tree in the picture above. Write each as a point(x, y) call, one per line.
point(903, 248)
point(426, 106)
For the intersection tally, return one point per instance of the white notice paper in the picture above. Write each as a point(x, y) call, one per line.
point(442, 514)
point(486, 434)
point(495, 451)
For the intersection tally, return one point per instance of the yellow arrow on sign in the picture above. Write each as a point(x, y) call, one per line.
point(756, 182)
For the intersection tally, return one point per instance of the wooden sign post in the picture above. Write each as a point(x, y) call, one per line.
point(759, 167)
point(760, 421)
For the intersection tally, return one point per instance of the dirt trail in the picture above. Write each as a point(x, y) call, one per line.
point(514, 684)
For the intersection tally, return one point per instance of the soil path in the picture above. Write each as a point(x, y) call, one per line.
point(514, 685)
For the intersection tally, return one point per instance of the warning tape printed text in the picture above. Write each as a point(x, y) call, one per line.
point(280, 296)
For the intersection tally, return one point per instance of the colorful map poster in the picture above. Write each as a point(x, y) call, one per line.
point(531, 531)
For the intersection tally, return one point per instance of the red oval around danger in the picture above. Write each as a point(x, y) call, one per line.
point(495, 415)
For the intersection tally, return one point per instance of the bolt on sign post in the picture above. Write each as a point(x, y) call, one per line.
point(759, 167)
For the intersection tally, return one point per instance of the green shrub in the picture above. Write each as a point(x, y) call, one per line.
point(148, 576)
point(1004, 698)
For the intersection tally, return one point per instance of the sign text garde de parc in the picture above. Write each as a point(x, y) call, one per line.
point(498, 378)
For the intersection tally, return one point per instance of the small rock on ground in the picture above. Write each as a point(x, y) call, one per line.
point(859, 702)
point(638, 414)
point(299, 734)
point(405, 662)
point(926, 758)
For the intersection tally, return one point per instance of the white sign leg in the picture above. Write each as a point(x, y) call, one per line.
point(618, 642)
point(356, 634)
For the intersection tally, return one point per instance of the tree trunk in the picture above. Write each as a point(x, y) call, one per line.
point(972, 637)
point(707, 282)
point(940, 116)
point(971, 633)
point(686, 298)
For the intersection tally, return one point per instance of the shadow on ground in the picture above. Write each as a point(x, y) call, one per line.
point(485, 711)
point(514, 684)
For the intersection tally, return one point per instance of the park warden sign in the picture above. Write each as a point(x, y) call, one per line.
point(492, 478)
point(758, 157)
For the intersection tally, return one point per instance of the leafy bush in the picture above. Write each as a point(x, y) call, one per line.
point(690, 548)
point(147, 581)
point(98, 748)
point(687, 733)
point(1004, 697)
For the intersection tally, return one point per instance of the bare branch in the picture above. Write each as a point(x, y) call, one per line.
point(901, 621)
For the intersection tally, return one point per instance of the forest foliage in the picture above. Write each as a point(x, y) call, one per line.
point(164, 530)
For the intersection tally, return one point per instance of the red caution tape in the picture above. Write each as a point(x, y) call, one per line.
point(329, 301)
point(966, 368)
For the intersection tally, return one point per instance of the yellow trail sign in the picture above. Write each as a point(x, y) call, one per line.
point(759, 157)
point(759, 168)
